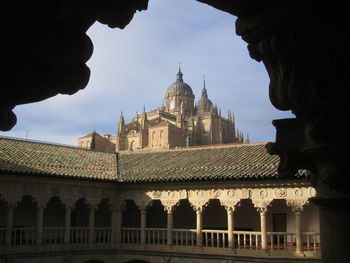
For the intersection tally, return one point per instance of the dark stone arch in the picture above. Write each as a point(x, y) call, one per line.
point(103, 214)
point(215, 216)
point(80, 214)
point(25, 212)
point(137, 261)
point(94, 261)
point(246, 216)
point(184, 215)
point(54, 213)
point(156, 215)
point(131, 216)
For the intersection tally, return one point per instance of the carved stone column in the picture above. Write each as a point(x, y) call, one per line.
point(198, 206)
point(169, 208)
point(143, 223)
point(297, 208)
point(142, 202)
point(40, 222)
point(92, 210)
point(261, 206)
point(230, 208)
point(9, 223)
point(116, 222)
point(67, 222)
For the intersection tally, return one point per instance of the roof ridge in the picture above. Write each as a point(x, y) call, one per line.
point(49, 143)
point(200, 147)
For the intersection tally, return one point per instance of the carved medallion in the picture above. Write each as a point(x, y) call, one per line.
point(263, 193)
point(312, 191)
point(298, 192)
point(156, 194)
point(230, 193)
point(281, 192)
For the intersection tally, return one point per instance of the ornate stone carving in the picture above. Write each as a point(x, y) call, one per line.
point(263, 193)
point(230, 204)
point(199, 205)
point(169, 204)
point(298, 192)
point(280, 192)
point(297, 205)
point(246, 193)
point(261, 205)
point(156, 194)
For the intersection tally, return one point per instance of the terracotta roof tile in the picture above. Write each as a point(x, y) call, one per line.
point(229, 162)
point(27, 157)
point(243, 161)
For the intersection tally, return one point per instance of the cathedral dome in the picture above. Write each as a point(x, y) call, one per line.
point(179, 87)
point(204, 104)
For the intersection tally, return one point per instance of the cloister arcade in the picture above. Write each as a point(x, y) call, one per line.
point(213, 222)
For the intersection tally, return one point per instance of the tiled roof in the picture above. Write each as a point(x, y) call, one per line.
point(226, 162)
point(26, 157)
point(239, 161)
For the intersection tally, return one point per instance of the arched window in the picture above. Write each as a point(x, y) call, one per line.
point(206, 129)
point(132, 146)
point(172, 104)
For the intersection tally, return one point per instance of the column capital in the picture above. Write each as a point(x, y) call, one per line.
point(230, 205)
point(169, 205)
point(261, 205)
point(297, 205)
point(199, 205)
point(142, 204)
point(68, 202)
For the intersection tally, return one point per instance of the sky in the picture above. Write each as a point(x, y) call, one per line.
point(132, 69)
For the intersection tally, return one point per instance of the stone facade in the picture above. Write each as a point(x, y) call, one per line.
point(178, 123)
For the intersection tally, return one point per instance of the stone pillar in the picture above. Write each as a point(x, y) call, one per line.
point(67, 223)
point(170, 224)
point(198, 202)
point(230, 205)
point(9, 223)
point(116, 221)
point(40, 223)
point(143, 211)
point(297, 207)
point(298, 232)
point(230, 227)
point(169, 205)
point(92, 210)
point(263, 230)
point(199, 227)
point(261, 206)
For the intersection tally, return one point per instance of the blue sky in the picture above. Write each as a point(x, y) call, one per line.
point(132, 68)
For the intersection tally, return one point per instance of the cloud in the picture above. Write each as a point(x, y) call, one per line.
point(132, 68)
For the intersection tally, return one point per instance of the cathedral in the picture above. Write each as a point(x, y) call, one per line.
point(180, 122)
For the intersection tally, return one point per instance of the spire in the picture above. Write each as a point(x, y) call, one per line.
point(144, 113)
point(120, 124)
point(204, 90)
point(247, 140)
point(179, 74)
point(121, 119)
